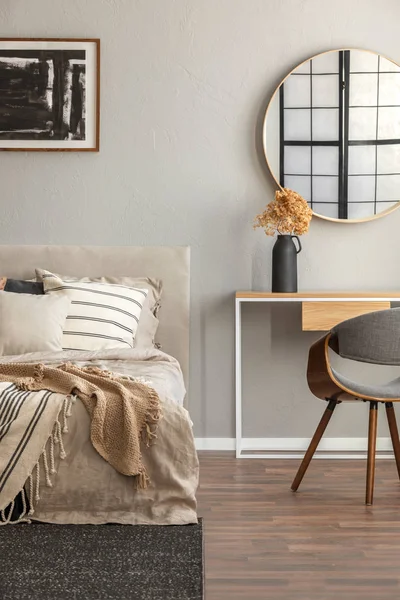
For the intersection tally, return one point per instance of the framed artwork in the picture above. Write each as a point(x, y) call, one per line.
point(49, 94)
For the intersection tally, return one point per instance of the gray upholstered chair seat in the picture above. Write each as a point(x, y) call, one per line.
point(389, 390)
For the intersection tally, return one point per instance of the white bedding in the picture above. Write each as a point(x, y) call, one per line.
point(162, 370)
point(87, 489)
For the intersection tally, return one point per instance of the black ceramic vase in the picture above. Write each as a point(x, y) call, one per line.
point(284, 264)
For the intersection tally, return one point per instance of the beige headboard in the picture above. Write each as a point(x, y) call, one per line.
point(171, 264)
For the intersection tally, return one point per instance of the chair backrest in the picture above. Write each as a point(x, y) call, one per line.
point(373, 338)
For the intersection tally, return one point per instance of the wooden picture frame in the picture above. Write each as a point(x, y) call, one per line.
point(50, 94)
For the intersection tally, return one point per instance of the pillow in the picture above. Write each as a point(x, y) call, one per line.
point(20, 286)
point(31, 323)
point(148, 322)
point(101, 315)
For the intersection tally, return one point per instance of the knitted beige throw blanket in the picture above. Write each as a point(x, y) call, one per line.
point(123, 412)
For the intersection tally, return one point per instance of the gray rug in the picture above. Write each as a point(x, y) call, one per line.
point(86, 562)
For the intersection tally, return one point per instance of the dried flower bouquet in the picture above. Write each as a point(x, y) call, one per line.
point(287, 214)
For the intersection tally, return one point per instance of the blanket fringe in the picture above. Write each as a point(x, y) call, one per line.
point(30, 383)
point(47, 458)
point(142, 480)
point(148, 435)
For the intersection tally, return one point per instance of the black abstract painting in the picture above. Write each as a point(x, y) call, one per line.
point(43, 96)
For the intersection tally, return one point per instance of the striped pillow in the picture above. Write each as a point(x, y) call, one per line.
point(101, 315)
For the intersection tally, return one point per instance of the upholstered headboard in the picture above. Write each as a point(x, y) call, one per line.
point(171, 264)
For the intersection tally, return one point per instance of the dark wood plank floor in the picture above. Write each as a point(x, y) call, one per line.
point(322, 543)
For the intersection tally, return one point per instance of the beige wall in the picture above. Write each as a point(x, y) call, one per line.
point(184, 86)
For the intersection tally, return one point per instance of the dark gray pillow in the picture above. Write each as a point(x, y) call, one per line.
point(20, 286)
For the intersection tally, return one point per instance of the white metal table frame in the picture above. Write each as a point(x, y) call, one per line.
point(242, 297)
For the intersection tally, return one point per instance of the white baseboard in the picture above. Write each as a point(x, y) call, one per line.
point(215, 443)
point(295, 447)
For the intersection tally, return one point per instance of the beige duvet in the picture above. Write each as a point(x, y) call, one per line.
point(86, 489)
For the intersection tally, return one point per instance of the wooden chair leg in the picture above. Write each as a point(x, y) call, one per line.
point(373, 420)
point(394, 433)
point(319, 432)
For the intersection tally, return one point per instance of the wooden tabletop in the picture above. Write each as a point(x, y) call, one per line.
point(391, 295)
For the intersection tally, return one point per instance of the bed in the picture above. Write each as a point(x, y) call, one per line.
point(86, 488)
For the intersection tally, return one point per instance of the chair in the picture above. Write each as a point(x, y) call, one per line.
point(371, 338)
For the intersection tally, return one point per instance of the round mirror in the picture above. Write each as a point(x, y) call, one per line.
point(332, 134)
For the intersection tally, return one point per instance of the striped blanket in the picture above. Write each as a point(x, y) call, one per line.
point(30, 429)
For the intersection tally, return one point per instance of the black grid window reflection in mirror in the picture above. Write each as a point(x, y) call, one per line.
point(340, 133)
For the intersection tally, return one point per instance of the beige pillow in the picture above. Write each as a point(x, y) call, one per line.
point(148, 322)
point(31, 323)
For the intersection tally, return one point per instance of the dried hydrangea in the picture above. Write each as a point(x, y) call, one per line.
point(288, 214)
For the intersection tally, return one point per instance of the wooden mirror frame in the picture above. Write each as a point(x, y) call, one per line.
point(264, 131)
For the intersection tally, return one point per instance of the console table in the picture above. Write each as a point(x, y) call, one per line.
point(320, 312)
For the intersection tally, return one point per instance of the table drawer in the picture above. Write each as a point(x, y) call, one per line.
point(322, 316)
